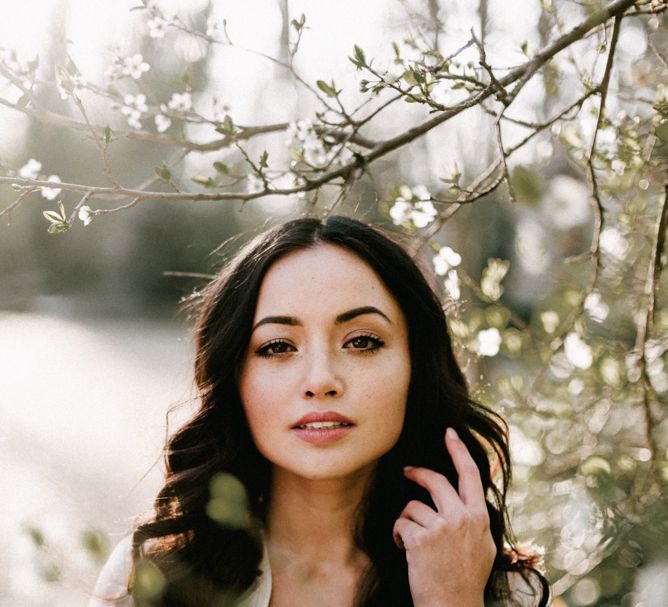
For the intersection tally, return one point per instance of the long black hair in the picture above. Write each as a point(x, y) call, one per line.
point(204, 561)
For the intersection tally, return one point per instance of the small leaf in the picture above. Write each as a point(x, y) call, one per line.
point(207, 182)
point(298, 25)
point(227, 127)
point(221, 167)
point(107, 134)
point(525, 47)
point(163, 172)
point(329, 90)
point(263, 159)
point(52, 216)
point(358, 58)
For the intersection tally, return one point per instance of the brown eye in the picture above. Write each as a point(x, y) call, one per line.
point(274, 348)
point(366, 343)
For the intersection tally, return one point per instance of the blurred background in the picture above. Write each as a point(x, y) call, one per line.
point(552, 327)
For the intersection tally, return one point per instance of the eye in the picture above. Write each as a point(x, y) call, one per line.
point(365, 343)
point(274, 348)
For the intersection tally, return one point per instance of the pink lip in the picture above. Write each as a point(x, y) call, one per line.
point(324, 416)
point(322, 435)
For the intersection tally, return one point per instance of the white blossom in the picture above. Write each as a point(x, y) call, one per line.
point(488, 342)
point(254, 183)
point(180, 102)
point(452, 284)
point(597, 310)
point(31, 169)
point(133, 66)
point(157, 26)
point(618, 166)
point(446, 259)
point(578, 352)
point(613, 243)
point(162, 123)
point(420, 213)
point(85, 214)
point(133, 107)
point(52, 193)
point(550, 320)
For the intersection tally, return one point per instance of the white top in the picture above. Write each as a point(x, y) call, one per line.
point(111, 588)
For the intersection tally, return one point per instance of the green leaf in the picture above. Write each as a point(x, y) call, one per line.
point(227, 128)
point(221, 167)
point(207, 182)
point(525, 47)
point(358, 58)
point(163, 172)
point(329, 90)
point(107, 134)
point(298, 25)
point(409, 77)
point(263, 159)
point(52, 216)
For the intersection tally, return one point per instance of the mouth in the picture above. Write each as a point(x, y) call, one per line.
point(322, 425)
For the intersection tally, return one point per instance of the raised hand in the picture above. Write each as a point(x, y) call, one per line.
point(450, 550)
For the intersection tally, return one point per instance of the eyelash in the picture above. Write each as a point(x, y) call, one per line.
point(376, 343)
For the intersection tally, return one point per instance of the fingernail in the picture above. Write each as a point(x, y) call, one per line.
point(408, 468)
point(452, 434)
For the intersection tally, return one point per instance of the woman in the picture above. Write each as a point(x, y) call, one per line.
point(330, 390)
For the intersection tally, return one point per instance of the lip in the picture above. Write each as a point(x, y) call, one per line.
point(323, 416)
point(323, 435)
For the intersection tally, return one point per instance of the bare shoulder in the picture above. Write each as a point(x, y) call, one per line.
point(111, 587)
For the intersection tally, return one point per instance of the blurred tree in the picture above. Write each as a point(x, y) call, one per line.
point(547, 228)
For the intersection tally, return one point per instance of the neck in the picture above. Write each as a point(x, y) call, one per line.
point(314, 520)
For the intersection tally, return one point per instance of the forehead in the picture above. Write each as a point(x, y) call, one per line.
point(324, 277)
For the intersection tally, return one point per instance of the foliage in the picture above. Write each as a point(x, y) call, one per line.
point(560, 317)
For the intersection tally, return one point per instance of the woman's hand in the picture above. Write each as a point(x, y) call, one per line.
point(450, 551)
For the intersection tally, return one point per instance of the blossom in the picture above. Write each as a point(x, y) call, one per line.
point(613, 243)
point(51, 193)
point(133, 107)
point(31, 169)
point(254, 183)
point(488, 342)
point(452, 284)
point(180, 102)
point(578, 352)
point(133, 66)
point(446, 259)
point(420, 213)
point(597, 310)
point(162, 123)
point(85, 214)
point(157, 26)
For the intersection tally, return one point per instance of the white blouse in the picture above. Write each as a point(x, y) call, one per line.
point(111, 589)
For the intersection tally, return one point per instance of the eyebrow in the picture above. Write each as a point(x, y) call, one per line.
point(339, 320)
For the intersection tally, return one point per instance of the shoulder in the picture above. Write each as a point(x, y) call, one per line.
point(111, 587)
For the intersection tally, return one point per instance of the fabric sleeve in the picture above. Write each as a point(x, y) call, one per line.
point(111, 588)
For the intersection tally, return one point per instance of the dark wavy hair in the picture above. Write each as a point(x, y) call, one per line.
point(204, 561)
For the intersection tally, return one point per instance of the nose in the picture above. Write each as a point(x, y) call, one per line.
point(321, 378)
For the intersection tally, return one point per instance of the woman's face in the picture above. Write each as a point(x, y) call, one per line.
point(325, 377)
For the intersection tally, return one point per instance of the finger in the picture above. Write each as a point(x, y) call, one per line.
point(404, 533)
point(420, 513)
point(470, 486)
point(442, 492)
